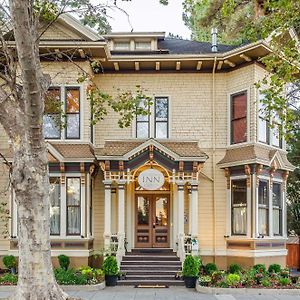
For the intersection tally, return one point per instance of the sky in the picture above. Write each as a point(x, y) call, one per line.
point(150, 15)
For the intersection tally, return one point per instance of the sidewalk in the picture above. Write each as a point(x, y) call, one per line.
point(173, 293)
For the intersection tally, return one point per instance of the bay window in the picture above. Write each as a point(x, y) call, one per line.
point(54, 125)
point(238, 126)
point(55, 200)
point(263, 207)
point(277, 208)
point(239, 207)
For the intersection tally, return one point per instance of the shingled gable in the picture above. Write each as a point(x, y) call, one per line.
point(125, 150)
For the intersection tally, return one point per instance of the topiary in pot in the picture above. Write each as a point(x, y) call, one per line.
point(190, 271)
point(64, 261)
point(111, 270)
point(10, 262)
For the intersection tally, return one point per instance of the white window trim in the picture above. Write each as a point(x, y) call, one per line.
point(81, 111)
point(229, 95)
point(152, 120)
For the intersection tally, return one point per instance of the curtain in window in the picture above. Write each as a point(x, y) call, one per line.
point(276, 222)
point(263, 221)
point(54, 206)
point(73, 206)
point(239, 223)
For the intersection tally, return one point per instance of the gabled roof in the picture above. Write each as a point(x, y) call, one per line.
point(124, 150)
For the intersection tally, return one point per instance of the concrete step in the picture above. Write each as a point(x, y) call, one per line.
point(150, 267)
point(150, 272)
point(150, 262)
point(151, 282)
point(153, 251)
point(151, 257)
point(150, 277)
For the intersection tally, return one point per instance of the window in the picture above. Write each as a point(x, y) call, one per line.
point(72, 113)
point(239, 207)
point(121, 46)
point(52, 115)
point(142, 45)
point(161, 118)
point(54, 110)
point(263, 207)
point(157, 124)
point(73, 206)
point(55, 205)
point(239, 118)
point(277, 209)
point(143, 124)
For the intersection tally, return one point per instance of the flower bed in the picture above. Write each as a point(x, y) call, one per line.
point(257, 277)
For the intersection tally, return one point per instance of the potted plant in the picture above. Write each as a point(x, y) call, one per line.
point(111, 270)
point(190, 271)
point(10, 262)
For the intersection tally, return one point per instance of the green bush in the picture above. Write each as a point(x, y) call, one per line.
point(266, 282)
point(9, 261)
point(210, 268)
point(217, 276)
point(285, 273)
point(233, 279)
point(284, 281)
point(274, 268)
point(234, 269)
point(64, 261)
point(190, 267)
point(70, 277)
point(110, 266)
point(9, 279)
point(260, 268)
point(93, 275)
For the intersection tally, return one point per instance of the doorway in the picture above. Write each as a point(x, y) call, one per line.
point(152, 213)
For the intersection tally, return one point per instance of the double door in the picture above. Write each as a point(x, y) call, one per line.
point(152, 221)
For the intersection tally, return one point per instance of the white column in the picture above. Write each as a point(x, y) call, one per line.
point(180, 252)
point(107, 213)
point(83, 205)
point(271, 208)
point(88, 205)
point(63, 201)
point(254, 206)
point(284, 213)
point(121, 220)
point(194, 206)
point(190, 210)
point(249, 195)
point(175, 216)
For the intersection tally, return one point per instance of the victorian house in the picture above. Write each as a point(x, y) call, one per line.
point(202, 173)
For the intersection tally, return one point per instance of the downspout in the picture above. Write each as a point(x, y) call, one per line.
point(214, 156)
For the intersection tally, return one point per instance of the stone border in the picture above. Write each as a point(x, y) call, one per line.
point(245, 291)
point(94, 287)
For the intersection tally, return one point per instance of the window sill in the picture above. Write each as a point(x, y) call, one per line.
point(62, 238)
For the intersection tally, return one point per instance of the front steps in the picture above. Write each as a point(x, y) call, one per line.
point(151, 267)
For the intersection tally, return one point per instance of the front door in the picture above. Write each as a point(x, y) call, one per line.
point(152, 221)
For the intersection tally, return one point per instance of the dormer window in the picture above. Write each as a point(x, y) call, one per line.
point(121, 46)
point(142, 45)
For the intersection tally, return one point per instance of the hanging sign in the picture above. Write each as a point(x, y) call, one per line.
point(151, 179)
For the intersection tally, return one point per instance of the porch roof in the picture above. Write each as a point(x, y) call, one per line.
point(125, 149)
point(255, 154)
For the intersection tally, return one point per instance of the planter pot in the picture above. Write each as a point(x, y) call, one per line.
point(111, 280)
point(190, 282)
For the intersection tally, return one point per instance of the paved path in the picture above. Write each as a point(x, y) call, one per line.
point(173, 293)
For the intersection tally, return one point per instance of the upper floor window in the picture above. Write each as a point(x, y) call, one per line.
point(263, 207)
point(238, 105)
point(239, 207)
point(142, 45)
point(266, 134)
point(54, 126)
point(157, 123)
point(121, 46)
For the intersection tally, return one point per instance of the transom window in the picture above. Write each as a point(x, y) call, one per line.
point(157, 123)
point(62, 117)
point(239, 207)
point(238, 128)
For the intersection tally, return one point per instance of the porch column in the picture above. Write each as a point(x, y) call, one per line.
point(194, 208)
point(121, 220)
point(107, 213)
point(180, 219)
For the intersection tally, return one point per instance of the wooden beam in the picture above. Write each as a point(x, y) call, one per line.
point(199, 65)
point(220, 63)
point(137, 66)
point(178, 65)
point(116, 66)
point(157, 66)
point(245, 57)
point(229, 63)
point(81, 53)
point(58, 53)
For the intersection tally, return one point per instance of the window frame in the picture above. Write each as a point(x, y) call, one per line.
point(147, 122)
point(231, 96)
point(60, 206)
point(279, 208)
point(266, 207)
point(155, 121)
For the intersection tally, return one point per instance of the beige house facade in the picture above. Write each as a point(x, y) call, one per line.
point(203, 173)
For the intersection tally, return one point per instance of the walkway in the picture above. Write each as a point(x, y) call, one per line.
point(173, 293)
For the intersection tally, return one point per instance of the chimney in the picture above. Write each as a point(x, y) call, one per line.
point(214, 45)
